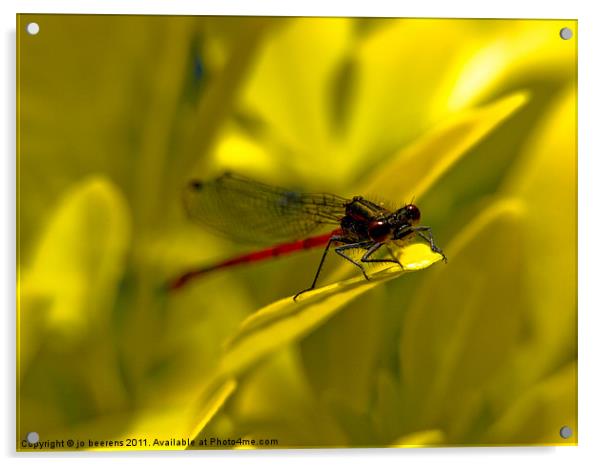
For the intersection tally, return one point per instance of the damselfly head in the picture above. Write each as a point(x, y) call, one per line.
point(412, 213)
point(403, 220)
point(408, 215)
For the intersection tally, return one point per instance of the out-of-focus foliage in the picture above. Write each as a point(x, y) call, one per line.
point(475, 119)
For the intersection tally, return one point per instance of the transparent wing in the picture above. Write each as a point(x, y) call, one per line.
point(252, 212)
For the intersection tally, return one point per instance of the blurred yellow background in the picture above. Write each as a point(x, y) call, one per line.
point(474, 119)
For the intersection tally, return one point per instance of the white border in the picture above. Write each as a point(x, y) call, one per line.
point(439, 8)
point(590, 234)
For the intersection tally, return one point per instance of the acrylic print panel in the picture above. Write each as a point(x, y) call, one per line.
point(164, 163)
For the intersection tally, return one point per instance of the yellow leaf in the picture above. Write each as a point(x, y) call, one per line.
point(286, 321)
point(79, 258)
point(210, 403)
point(263, 406)
point(546, 180)
point(288, 84)
point(519, 53)
point(537, 416)
point(340, 356)
point(463, 323)
point(402, 89)
point(172, 425)
point(99, 111)
point(415, 168)
point(425, 438)
point(66, 296)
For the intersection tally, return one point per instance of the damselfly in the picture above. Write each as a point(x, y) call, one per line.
point(249, 211)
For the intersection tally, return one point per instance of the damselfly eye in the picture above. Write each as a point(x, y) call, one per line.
point(379, 231)
point(413, 213)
